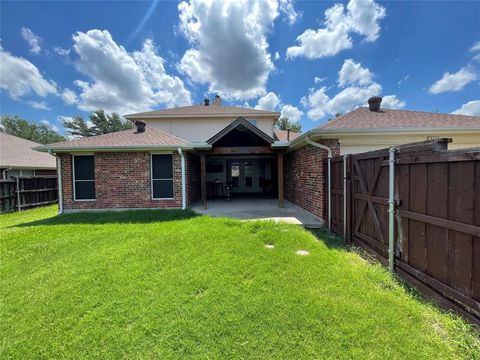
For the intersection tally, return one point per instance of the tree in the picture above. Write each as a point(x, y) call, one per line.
point(285, 124)
point(98, 123)
point(337, 115)
point(37, 132)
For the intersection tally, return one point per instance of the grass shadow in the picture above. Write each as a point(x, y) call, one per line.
point(331, 240)
point(115, 217)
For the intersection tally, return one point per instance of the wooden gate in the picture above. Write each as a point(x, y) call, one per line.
point(437, 217)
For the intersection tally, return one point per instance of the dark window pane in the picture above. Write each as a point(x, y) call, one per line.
point(84, 167)
point(162, 189)
point(162, 166)
point(84, 190)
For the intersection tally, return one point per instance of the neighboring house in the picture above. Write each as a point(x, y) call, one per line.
point(17, 158)
point(178, 156)
point(364, 130)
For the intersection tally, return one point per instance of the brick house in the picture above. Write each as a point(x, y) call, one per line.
point(176, 157)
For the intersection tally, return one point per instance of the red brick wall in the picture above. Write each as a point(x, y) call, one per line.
point(122, 180)
point(305, 177)
point(192, 178)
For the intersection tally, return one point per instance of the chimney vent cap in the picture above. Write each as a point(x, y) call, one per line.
point(374, 103)
point(140, 126)
point(206, 102)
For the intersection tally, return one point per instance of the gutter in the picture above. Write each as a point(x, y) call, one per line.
point(184, 185)
point(121, 148)
point(320, 131)
point(329, 177)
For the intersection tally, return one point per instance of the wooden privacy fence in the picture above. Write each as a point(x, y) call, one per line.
point(436, 228)
point(27, 191)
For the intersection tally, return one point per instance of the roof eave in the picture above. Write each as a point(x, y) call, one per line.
point(114, 148)
point(320, 131)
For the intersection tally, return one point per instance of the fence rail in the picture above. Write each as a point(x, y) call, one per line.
point(27, 191)
point(437, 217)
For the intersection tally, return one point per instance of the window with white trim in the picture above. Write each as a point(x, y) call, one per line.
point(83, 177)
point(162, 176)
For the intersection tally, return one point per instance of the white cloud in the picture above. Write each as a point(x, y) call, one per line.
point(475, 47)
point(229, 48)
point(69, 97)
point(287, 8)
point(61, 51)
point(65, 118)
point(32, 39)
point(277, 55)
point(269, 102)
point(392, 102)
point(19, 77)
point(470, 108)
point(50, 125)
point(360, 87)
point(291, 112)
point(403, 79)
point(353, 73)
point(360, 16)
point(318, 79)
point(272, 102)
point(120, 81)
point(41, 105)
point(453, 82)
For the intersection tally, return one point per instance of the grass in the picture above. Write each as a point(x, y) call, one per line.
point(168, 284)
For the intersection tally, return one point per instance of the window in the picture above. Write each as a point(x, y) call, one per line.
point(83, 177)
point(162, 176)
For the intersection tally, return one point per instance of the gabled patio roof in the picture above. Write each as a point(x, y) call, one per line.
point(240, 122)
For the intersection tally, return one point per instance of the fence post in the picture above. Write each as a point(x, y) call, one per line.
point(391, 210)
point(17, 189)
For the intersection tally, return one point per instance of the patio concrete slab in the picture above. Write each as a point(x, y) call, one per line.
point(260, 209)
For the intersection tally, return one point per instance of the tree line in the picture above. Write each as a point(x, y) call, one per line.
point(98, 123)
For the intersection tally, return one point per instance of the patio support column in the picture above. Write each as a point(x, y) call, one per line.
point(280, 180)
point(203, 181)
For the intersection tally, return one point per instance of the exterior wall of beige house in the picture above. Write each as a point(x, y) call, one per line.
point(200, 129)
point(354, 143)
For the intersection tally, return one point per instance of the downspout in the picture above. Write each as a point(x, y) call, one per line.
point(4, 173)
point(391, 209)
point(184, 186)
point(329, 177)
point(59, 182)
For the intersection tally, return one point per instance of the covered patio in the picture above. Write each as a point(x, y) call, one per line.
point(244, 162)
point(260, 209)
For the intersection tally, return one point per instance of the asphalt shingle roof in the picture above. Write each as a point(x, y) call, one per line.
point(202, 110)
point(363, 118)
point(17, 152)
point(283, 134)
point(151, 136)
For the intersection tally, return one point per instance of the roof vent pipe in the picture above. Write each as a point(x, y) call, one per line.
point(288, 134)
point(374, 103)
point(140, 126)
point(217, 100)
point(206, 102)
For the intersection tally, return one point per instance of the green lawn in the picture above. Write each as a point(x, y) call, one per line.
point(167, 284)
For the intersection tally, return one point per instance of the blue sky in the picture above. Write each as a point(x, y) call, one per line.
point(307, 59)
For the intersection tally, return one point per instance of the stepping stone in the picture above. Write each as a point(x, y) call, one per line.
point(302, 252)
point(269, 246)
